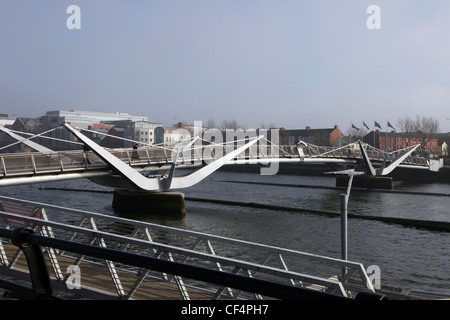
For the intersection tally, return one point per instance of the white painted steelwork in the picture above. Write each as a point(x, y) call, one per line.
point(152, 168)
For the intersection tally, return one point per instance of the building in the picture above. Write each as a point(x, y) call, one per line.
point(319, 137)
point(55, 120)
point(179, 132)
point(114, 138)
point(85, 118)
point(27, 125)
point(130, 132)
point(98, 132)
point(5, 121)
point(393, 141)
point(349, 141)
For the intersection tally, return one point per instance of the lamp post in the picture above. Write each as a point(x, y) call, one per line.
point(344, 233)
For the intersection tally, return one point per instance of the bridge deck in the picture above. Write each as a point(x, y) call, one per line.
point(95, 278)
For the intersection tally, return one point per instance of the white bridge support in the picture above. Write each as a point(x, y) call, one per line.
point(141, 182)
point(383, 170)
point(149, 192)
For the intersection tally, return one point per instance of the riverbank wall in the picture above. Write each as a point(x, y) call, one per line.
point(302, 169)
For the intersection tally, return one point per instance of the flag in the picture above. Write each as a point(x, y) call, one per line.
point(353, 127)
point(390, 125)
point(377, 125)
point(365, 125)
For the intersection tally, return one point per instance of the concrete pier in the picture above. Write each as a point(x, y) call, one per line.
point(149, 202)
point(371, 182)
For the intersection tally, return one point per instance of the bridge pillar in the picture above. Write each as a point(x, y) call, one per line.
point(149, 202)
point(371, 182)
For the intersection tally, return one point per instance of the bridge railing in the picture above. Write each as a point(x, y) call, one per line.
point(33, 163)
point(13, 164)
point(211, 152)
point(350, 152)
point(265, 262)
point(37, 163)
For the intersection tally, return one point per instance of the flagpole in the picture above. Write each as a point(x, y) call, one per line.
point(374, 137)
point(376, 125)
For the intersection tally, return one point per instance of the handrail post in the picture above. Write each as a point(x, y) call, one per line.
point(39, 275)
point(344, 254)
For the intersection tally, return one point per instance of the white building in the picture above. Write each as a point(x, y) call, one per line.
point(84, 119)
point(180, 132)
point(142, 132)
point(79, 119)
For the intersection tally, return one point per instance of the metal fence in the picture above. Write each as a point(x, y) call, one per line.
point(40, 164)
point(103, 278)
point(352, 153)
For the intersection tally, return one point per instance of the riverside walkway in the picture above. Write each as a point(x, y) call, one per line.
point(162, 262)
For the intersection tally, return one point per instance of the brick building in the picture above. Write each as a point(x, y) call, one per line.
point(27, 125)
point(319, 137)
point(392, 141)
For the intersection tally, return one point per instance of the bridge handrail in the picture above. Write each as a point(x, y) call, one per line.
point(212, 256)
point(335, 285)
point(339, 262)
point(30, 244)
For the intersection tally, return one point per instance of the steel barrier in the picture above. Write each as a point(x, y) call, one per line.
point(223, 254)
point(65, 162)
point(31, 244)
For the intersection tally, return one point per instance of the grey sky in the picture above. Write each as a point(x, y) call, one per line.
point(289, 62)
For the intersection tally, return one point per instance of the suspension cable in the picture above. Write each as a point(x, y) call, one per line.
point(45, 137)
point(32, 137)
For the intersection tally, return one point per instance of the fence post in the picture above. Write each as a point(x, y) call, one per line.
point(39, 275)
point(344, 244)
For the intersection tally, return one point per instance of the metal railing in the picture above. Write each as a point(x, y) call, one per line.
point(31, 244)
point(34, 163)
point(350, 152)
point(229, 256)
point(43, 163)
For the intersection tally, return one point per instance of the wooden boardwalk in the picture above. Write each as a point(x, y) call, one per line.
point(95, 277)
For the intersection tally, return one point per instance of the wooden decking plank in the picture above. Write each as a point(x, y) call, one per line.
point(96, 276)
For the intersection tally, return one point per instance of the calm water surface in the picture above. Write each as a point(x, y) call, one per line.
point(414, 259)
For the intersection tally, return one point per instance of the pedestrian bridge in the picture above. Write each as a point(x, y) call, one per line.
point(178, 264)
point(152, 168)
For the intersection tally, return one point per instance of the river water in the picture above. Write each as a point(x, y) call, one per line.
point(408, 257)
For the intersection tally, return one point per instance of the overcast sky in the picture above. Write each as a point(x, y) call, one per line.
point(291, 63)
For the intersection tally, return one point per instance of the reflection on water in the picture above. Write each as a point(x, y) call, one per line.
point(408, 257)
